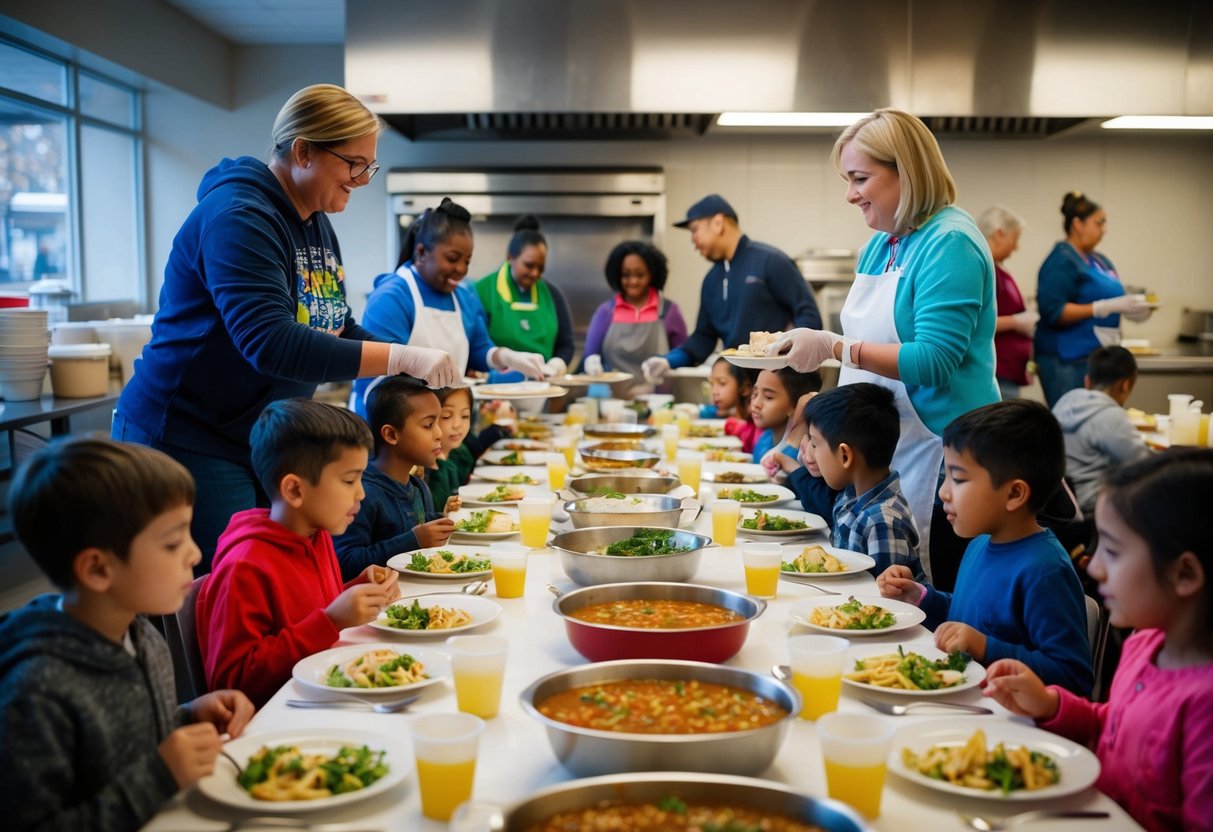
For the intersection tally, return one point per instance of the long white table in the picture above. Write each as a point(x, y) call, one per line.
point(515, 758)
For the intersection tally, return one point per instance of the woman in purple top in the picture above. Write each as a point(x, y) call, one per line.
point(638, 322)
point(1015, 324)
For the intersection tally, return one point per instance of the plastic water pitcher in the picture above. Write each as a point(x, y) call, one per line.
point(1185, 425)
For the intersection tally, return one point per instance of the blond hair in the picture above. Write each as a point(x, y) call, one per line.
point(902, 142)
point(322, 113)
point(998, 218)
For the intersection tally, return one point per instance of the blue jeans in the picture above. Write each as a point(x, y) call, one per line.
point(1058, 377)
point(224, 487)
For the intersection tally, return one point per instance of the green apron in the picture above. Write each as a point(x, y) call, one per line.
point(523, 325)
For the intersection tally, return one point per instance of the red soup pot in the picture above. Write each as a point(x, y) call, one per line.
point(606, 642)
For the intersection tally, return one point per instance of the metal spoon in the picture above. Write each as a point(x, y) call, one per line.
point(902, 710)
point(474, 588)
point(232, 760)
point(984, 824)
point(356, 705)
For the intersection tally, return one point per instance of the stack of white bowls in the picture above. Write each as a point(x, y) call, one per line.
point(24, 339)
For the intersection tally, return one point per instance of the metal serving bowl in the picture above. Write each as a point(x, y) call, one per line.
point(620, 431)
point(652, 510)
point(606, 642)
point(584, 566)
point(613, 461)
point(637, 482)
point(715, 789)
point(587, 751)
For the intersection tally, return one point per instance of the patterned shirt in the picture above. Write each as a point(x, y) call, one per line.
point(879, 523)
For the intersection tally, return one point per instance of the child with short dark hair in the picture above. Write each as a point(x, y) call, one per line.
point(773, 403)
point(1017, 594)
point(397, 513)
point(90, 734)
point(460, 447)
point(852, 434)
point(1097, 431)
point(276, 594)
point(1154, 737)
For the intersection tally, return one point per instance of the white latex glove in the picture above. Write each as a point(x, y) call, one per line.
point(1131, 306)
point(592, 365)
point(805, 348)
point(530, 364)
point(655, 369)
point(1025, 322)
point(555, 368)
point(435, 367)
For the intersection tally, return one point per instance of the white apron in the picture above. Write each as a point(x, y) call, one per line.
point(867, 315)
point(437, 328)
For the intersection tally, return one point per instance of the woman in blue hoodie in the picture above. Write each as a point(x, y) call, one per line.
point(253, 307)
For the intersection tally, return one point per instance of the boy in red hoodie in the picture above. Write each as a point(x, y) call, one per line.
point(275, 595)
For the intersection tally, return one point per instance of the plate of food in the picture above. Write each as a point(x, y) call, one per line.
point(486, 524)
point(706, 428)
point(711, 455)
point(514, 458)
point(1141, 420)
point(447, 563)
point(504, 494)
point(583, 379)
point(816, 561)
point(781, 523)
point(712, 443)
point(755, 496)
point(437, 615)
point(734, 473)
point(992, 759)
point(306, 770)
point(512, 474)
point(856, 616)
point(511, 443)
point(364, 669)
point(753, 356)
point(911, 670)
point(518, 390)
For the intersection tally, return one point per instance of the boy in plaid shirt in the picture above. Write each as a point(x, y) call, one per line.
point(852, 433)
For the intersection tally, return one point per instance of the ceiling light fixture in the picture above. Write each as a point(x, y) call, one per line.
point(738, 119)
point(1159, 123)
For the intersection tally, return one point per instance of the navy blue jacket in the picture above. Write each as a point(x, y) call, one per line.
point(252, 299)
point(384, 524)
point(759, 290)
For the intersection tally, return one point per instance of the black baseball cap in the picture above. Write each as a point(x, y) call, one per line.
point(709, 206)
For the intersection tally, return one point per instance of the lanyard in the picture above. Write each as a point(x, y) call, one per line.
point(894, 243)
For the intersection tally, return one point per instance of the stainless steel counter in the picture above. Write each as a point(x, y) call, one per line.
point(1181, 367)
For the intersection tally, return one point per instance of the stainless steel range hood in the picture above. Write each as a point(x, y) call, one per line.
point(644, 68)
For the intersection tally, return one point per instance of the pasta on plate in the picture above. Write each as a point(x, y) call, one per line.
point(285, 773)
point(975, 766)
point(377, 669)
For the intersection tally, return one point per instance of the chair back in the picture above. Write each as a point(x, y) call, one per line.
point(1097, 635)
point(181, 632)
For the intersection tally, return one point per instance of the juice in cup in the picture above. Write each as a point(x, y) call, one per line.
point(854, 748)
point(662, 416)
point(576, 414)
point(669, 439)
point(817, 672)
point(509, 569)
point(684, 424)
point(725, 514)
point(761, 562)
point(535, 518)
point(567, 445)
point(558, 469)
point(690, 469)
point(478, 665)
point(445, 746)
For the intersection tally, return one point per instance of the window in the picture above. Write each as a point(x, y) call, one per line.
point(71, 169)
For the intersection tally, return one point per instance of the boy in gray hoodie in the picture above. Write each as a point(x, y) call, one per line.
point(91, 737)
point(1096, 429)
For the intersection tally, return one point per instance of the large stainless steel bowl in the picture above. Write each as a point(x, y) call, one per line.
point(613, 461)
point(619, 431)
point(715, 789)
point(637, 482)
point(651, 510)
point(588, 568)
point(586, 752)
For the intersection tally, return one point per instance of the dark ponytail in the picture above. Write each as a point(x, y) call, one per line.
point(1076, 206)
point(526, 233)
point(434, 226)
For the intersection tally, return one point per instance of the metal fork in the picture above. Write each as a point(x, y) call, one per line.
point(391, 707)
point(902, 710)
point(985, 824)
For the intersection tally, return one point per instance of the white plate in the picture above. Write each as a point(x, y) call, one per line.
point(817, 523)
point(401, 563)
point(531, 458)
point(503, 473)
point(465, 514)
point(582, 379)
point(905, 615)
point(311, 671)
point(755, 472)
point(974, 672)
point(482, 610)
point(519, 390)
point(855, 563)
point(474, 493)
point(698, 443)
point(221, 786)
point(1079, 768)
point(782, 494)
point(757, 362)
point(508, 443)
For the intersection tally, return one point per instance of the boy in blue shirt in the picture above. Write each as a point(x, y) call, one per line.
point(1017, 595)
point(852, 432)
point(397, 513)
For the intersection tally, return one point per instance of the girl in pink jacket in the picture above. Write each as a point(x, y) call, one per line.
point(1154, 565)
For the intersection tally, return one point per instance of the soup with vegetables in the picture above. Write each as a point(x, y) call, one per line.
point(661, 706)
point(669, 814)
point(657, 614)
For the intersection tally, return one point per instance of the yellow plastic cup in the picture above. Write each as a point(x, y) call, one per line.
point(669, 441)
point(558, 469)
point(535, 519)
point(761, 562)
point(478, 665)
point(854, 748)
point(509, 569)
point(690, 469)
point(662, 416)
point(684, 424)
point(725, 514)
point(817, 672)
point(445, 746)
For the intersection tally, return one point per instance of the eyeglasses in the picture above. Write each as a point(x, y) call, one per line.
point(357, 169)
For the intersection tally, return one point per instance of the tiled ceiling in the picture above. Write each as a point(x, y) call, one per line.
point(270, 21)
